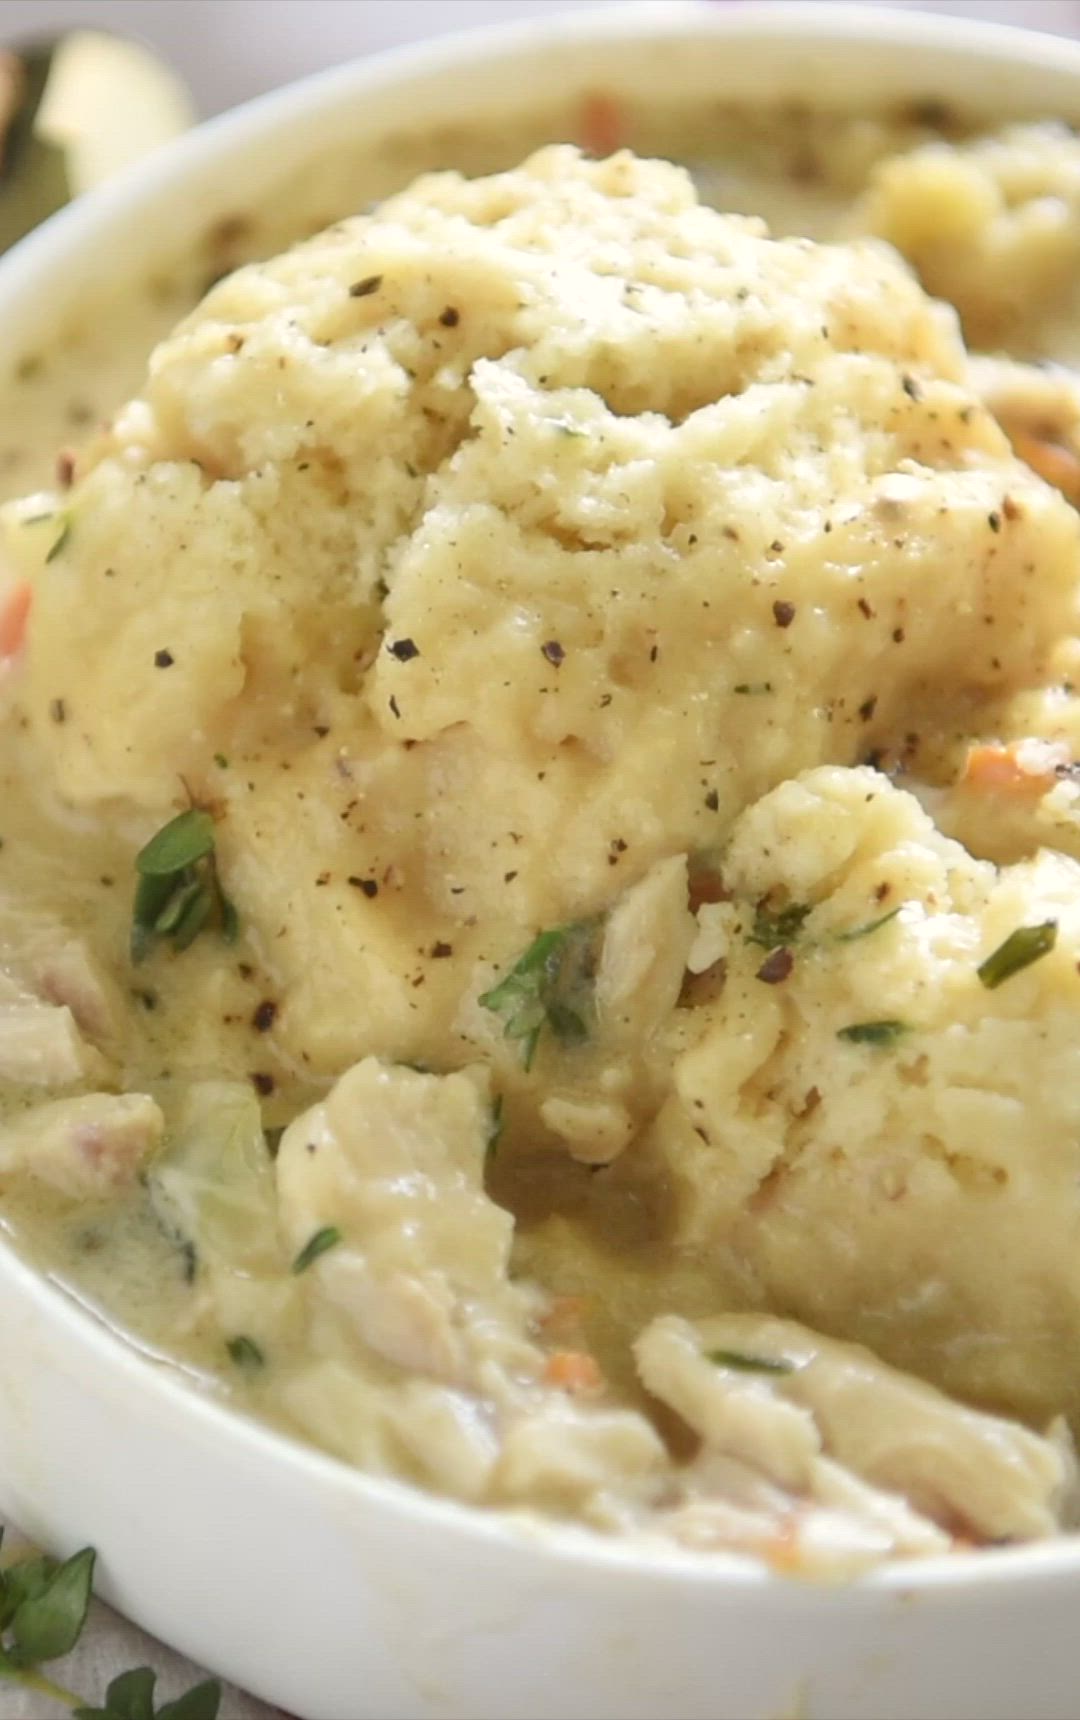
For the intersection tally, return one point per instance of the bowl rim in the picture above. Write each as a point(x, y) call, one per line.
point(86, 1327)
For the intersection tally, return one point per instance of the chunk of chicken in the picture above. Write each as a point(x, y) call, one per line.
point(83, 1147)
point(54, 998)
point(40, 1043)
point(394, 1160)
point(829, 1422)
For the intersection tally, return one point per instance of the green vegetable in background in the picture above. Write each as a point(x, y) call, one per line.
point(43, 1607)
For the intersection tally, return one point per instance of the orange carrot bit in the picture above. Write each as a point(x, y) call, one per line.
point(783, 1553)
point(1006, 770)
point(1058, 465)
point(14, 614)
point(573, 1371)
point(602, 125)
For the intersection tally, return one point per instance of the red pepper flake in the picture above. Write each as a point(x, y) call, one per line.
point(440, 950)
point(1011, 508)
point(865, 609)
point(265, 1015)
point(450, 317)
point(898, 636)
point(363, 289)
point(783, 613)
point(163, 659)
point(553, 651)
point(601, 126)
point(712, 800)
point(868, 707)
point(368, 885)
point(404, 650)
point(262, 1083)
point(777, 966)
point(65, 469)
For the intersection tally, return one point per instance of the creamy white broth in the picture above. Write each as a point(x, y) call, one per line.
point(582, 1229)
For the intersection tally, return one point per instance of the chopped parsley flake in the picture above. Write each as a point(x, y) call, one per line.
point(551, 986)
point(775, 929)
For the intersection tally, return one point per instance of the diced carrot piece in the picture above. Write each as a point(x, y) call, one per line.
point(602, 128)
point(1058, 465)
point(1001, 769)
point(574, 1371)
point(14, 613)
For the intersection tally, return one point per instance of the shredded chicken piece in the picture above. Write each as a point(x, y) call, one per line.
point(830, 1422)
point(84, 1147)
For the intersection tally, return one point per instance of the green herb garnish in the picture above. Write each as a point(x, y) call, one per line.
point(551, 986)
point(774, 930)
point(744, 1364)
point(43, 1607)
point(131, 1697)
point(60, 542)
point(328, 1237)
point(864, 931)
point(752, 687)
point(1022, 947)
point(179, 891)
point(873, 1032)
point(245, 1352)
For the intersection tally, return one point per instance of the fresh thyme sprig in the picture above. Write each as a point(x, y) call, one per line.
point(43, 1607)
point(179, 891)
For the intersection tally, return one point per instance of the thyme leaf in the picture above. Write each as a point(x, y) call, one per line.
point(1022, 947)
point(186, 838)
point(328, 1237)
point(882, 1033)
point(245, 1352)
point(746, 1364)
point(178, 890)
point(869, 926)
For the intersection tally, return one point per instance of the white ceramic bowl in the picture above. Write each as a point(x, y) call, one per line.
point(342, 1597)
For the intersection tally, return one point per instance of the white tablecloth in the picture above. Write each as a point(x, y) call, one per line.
point(229, 50)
